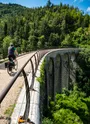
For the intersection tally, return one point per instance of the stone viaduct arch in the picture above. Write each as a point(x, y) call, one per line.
point(60, 71)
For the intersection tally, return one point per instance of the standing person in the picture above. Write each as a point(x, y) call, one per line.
point(12, 52)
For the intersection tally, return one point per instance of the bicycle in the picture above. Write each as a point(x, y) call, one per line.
point(12, 66)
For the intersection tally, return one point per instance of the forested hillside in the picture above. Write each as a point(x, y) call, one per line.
point(50, 26)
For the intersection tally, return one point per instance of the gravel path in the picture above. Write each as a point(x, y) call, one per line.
point(12, 95)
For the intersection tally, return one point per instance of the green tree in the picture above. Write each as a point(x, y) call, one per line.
point(5, 29)
point(24, 46)
point(49, 4)
point(64, 116)
point(41, 42)
point(6, 43)
point(54, 40)
point(32, 42)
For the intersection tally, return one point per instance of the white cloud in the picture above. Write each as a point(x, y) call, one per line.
point(88, 9)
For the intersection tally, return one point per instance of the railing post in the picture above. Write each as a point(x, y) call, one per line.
point(37, 58)
point(35, 63)
point(33, 74)
point(27, 108)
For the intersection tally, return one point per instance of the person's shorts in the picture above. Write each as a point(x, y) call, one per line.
point(12, 56)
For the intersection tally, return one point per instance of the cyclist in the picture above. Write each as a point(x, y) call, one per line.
point(12, 52)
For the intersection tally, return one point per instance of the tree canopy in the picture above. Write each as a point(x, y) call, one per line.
point(50, 26)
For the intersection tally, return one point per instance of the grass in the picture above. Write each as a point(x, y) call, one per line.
point(9, 110)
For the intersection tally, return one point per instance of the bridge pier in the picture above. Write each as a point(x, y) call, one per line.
point(60, 71)
point(57, 73)
point(65, 71)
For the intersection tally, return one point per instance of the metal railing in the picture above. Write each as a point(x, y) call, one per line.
point(34, 64)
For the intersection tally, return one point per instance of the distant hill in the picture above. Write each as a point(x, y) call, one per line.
point(10, 9)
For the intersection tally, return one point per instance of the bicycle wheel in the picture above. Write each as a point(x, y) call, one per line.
point(12, 68)
point(9, 69)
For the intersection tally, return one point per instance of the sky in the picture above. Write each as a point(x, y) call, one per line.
point(83, 5)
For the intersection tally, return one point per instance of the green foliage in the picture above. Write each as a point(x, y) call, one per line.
point(43, 27)
point(41, 79)
point(43, 106)
point(33, 42)
point(67, 41)
point(49, 4)
point(41, 41)
point(72, 107)
point(6, 43)
point(54, 40)
point(66, 116)
point(47, 121)
point(78, 38)
point(83, 70)
point(9, 111)
point(23, 46)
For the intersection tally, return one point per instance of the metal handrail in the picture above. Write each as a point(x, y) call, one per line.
point(39, 55)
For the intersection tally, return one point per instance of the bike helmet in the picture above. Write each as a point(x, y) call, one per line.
point(11, 44)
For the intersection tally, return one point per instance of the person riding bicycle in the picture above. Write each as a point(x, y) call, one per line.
point(12, 52)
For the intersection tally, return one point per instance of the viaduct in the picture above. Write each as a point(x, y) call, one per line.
point(60, 72)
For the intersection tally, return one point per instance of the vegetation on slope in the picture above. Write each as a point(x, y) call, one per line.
point(71, 107)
